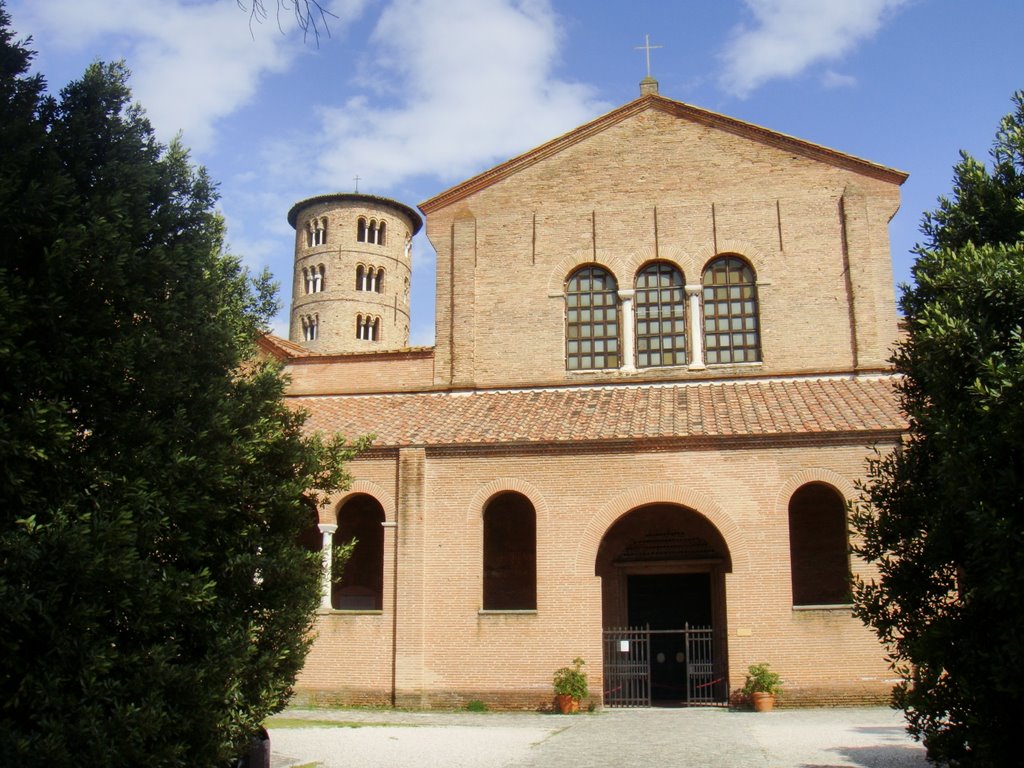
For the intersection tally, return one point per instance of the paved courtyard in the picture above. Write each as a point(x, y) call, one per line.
point(796, 738)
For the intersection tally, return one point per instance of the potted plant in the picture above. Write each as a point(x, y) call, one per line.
point(761, 687)
point(570, 687)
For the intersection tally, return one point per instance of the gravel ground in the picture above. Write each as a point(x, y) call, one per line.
point(797, 738)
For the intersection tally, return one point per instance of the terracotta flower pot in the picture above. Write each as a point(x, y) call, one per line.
point(763, 702)
point(566, 704)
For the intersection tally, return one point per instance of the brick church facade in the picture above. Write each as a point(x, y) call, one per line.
point(659, 369)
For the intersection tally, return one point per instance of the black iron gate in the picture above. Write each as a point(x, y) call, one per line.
point(628, 666)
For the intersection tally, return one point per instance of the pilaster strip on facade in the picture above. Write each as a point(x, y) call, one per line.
point(464, 258)
point(411, 617)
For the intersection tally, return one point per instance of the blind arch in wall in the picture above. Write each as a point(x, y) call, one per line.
point(510, 553)
point(361, 586)
point(818, 546)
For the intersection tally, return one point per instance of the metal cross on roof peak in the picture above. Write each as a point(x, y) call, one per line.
point(647, 48)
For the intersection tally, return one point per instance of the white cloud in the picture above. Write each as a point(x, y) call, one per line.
point(192, 61)
point(790, 36)
point(459, 84)
point(833, 79)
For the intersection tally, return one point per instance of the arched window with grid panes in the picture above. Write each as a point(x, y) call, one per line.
point(732, 332)
point(591, 319)
point(660, 302)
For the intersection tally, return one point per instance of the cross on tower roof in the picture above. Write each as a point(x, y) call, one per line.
point(356, 179)
point(647, 48)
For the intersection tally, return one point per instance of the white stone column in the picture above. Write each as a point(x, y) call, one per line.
point(327, 529)
point(693, 293)
point(628, 362)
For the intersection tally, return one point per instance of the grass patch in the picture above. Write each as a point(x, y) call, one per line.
point(476, 706)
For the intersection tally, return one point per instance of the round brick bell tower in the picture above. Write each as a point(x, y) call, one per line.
point(353, 263)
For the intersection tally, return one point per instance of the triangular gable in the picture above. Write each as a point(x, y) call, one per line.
point(678, 109)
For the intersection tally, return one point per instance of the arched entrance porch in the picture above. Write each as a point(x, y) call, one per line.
point(662, 568)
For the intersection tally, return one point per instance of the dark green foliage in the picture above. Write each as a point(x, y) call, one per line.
point(156, 605)
point(986, 206)
point(943, 518)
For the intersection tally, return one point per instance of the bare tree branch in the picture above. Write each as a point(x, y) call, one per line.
point(310, 15)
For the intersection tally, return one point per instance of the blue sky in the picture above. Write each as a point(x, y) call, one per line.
point(416, 95)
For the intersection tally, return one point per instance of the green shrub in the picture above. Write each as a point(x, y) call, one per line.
point(572, 681)
point(760, 679)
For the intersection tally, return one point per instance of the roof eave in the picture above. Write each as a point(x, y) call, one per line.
point(868, 436)
point(282, 349)
point(354, 197)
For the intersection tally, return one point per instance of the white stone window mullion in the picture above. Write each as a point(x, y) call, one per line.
point(694, 293)
point(628, 326)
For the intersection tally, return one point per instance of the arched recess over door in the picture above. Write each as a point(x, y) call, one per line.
point(660, 493)
point(361, 586)
point(660, 539)
point(510, 554)
point(663, 607)
point(818, 546)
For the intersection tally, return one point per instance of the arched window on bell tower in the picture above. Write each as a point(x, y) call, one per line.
point(310, 327)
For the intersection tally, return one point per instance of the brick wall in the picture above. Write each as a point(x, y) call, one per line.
point(450, 652)
point(655, 186)
point(404, 371)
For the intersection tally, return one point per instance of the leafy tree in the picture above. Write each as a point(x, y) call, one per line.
point(986, 207)
point(943, 516)
point(153, 485)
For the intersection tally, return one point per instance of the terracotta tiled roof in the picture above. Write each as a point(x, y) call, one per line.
point(776, 407)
